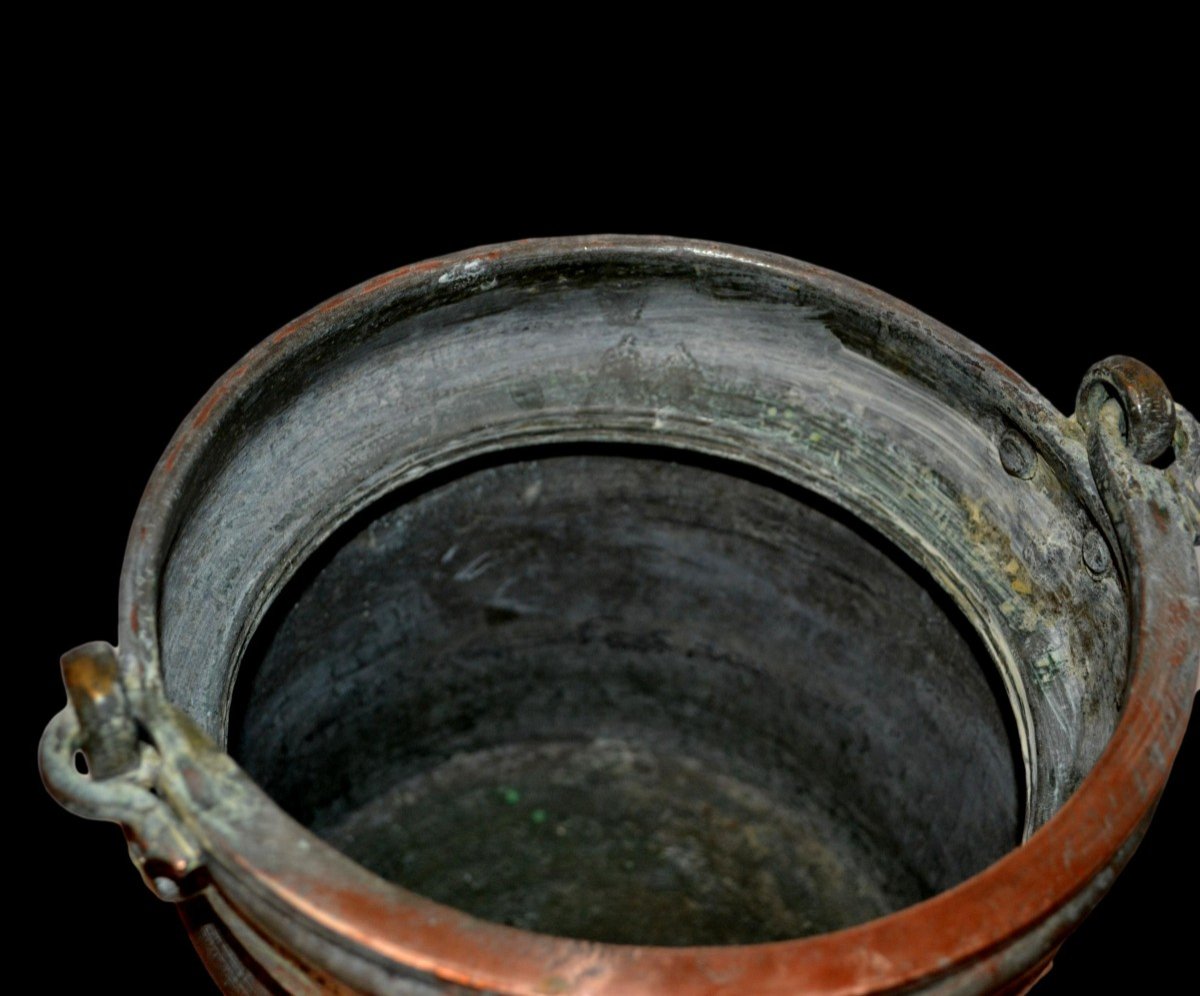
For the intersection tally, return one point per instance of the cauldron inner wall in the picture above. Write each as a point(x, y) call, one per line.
point(631, 696)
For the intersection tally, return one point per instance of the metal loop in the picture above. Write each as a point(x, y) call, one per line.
point(1148, 425)
point(162, 849)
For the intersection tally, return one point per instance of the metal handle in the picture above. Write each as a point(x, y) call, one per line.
point(123, 771)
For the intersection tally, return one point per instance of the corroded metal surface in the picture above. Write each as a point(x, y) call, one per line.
point(828, 385)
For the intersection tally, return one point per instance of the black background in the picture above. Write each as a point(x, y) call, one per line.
point(150, 277)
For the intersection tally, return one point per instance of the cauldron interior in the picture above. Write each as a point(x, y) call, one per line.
point(634, 695)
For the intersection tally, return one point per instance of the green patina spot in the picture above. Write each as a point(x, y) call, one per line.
point(1047, 667)
point(510, 795)
point(538, 816)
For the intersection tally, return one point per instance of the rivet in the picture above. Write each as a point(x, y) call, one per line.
point(1017, 455)
point(1095, 553)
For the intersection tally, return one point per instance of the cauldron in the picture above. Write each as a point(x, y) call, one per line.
point(637, 615)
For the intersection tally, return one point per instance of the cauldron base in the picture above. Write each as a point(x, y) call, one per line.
point(613, 841)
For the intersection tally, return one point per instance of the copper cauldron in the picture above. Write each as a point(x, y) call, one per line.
point(637, 615)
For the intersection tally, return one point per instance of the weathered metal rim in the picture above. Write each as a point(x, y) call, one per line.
point(1005, 901)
